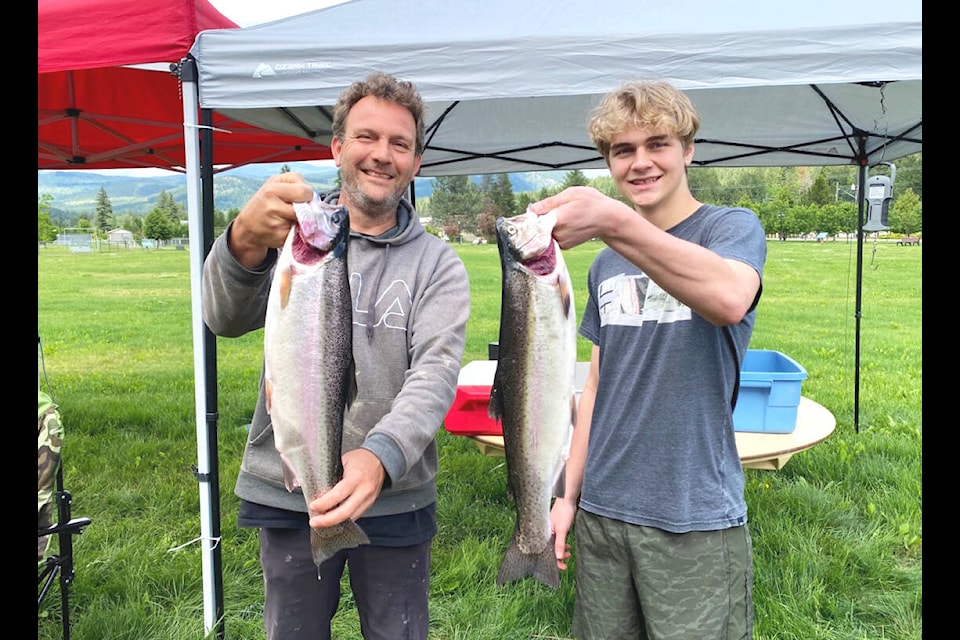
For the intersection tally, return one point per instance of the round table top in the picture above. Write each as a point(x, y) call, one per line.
point(815, 423)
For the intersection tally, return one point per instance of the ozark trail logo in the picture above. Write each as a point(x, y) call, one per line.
point(263, 69)
point(284, 68)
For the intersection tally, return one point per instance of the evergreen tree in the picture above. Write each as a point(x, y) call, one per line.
point(486, 184)
point(524, 200)
point(574, 178)
point(104, 216)
point(820, 193)
point(173, 210)
point(503, 197)
point(455, 204)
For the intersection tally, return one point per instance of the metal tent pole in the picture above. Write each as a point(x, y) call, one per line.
point(200, 217)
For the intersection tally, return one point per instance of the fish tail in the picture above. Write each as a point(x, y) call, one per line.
point(541, 566)
point(326, 542)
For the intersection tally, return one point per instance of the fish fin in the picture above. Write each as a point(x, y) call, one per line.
point(566, 295)
point(541, 566)
point(326, 542)
point(286, 282)
point(290, 479)
point(560, 484)
point(495, 408)
point(350, 385)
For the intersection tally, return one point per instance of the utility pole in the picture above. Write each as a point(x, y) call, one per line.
point(837, 191)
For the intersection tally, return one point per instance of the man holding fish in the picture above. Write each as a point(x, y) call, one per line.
point(373, 502)
point(653, 480)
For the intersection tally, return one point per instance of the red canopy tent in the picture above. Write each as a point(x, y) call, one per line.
point(96, 112)
point(107, 98)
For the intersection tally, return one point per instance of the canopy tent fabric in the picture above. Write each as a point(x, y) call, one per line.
point(94, 111)
point(508, 85)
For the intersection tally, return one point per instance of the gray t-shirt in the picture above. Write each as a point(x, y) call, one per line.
point(662, 451)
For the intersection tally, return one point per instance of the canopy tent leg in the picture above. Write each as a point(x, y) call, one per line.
point(200, 215)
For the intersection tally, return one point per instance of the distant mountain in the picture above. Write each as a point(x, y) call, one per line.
point(75, 192)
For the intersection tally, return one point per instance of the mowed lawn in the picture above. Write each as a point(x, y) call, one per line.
point(837, 532)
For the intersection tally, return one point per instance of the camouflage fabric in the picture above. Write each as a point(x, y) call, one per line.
point(646, 584)
point(49, 442)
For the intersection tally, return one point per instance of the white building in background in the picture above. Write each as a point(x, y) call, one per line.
point(120, 236)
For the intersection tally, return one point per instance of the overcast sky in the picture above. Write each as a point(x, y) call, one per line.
point(250, 12)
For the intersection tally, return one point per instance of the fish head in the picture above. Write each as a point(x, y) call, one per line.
point(319, 223)
point(527, 239)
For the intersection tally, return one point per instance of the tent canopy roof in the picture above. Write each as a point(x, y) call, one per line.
point(95, 112)
point(508, 85)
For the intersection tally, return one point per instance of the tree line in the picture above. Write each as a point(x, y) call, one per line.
point(790, 201)
point(165, 221)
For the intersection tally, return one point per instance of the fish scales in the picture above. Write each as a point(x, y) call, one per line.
point(308, 361)
point(533, 392)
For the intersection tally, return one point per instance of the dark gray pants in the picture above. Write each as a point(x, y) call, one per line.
point(390, 585)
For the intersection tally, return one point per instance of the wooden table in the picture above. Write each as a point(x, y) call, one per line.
point(815, 423)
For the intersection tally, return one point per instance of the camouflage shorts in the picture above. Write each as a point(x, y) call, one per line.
point(641, 583)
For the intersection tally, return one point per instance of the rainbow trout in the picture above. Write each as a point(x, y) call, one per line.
point(533, 388)
point(308, 359)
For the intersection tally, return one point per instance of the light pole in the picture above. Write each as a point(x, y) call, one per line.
point(852, 193)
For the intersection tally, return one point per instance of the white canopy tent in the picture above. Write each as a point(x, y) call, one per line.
point(508, 85)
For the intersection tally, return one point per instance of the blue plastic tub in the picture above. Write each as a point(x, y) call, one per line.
point(769, 393)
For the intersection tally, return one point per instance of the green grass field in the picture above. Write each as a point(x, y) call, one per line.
point(837, 532)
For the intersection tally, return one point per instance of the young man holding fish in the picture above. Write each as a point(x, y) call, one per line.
point(653, 479)
point(410, 305)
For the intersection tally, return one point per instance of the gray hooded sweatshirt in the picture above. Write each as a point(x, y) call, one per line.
point(411, 302)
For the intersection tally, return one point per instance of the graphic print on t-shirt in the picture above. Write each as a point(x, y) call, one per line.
point(630, 300)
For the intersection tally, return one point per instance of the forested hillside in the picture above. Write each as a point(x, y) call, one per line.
point(789, 200)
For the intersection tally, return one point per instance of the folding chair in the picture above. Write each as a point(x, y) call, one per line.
point(52, 499)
